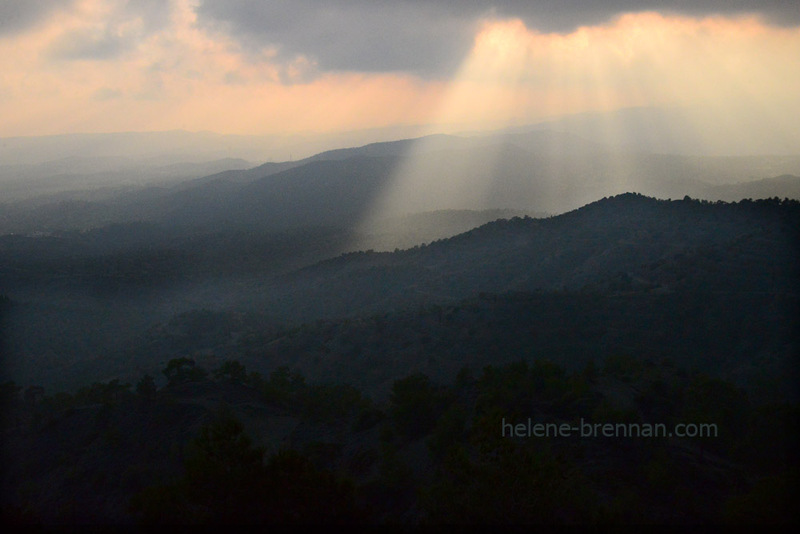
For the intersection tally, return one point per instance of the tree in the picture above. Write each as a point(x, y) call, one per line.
point(416, 405)
point(222, 454)
point(146, 387)
point(282, 384)
point(220, 483)
point(232, 370)
point(9, 392)
point(508, 486)
point(226, 482)
point(179, 370)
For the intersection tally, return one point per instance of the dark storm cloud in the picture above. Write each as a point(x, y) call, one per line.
point(426, 36)
point(348, 34)
point(567, 15)
point(19, 15)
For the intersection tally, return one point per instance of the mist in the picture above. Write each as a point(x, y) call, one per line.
point(301, 261)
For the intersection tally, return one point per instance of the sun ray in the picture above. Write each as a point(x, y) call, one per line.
point(708, 76)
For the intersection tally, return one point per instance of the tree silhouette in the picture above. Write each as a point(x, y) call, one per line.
point(232, 370)
point(180, 370)
point(227, 482)
point(146, 387)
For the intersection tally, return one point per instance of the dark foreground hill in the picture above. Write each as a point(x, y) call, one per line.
point(623, 441)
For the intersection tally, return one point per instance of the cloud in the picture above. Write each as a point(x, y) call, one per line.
point(101, 45)
point(106, 93)
point(429, 37)
point(347, 35)
point(17, 16)
point(109, 29)
point(319, 66)
point(564, 16)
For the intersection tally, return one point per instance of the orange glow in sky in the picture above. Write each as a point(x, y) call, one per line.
point(182, 77)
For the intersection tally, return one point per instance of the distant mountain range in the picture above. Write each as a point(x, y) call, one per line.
point(708, 130)
point(537, 171)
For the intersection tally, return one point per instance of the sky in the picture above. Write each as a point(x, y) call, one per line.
point(294, 66)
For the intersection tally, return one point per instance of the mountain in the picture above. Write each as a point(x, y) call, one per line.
point(158, 148)
point(739, 258)
point(352, 335)
point(709, 285)
point(384, 386)
point(639, 237)
point(785, 186)
point(708, 130)
point(546, 173)
point(98, 179)
point(353, 189)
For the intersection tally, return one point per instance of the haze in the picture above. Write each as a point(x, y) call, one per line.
point(393, 69)
point(353, 237)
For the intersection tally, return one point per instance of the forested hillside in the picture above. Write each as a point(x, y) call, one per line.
point(624, 440)
point(711, 283)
